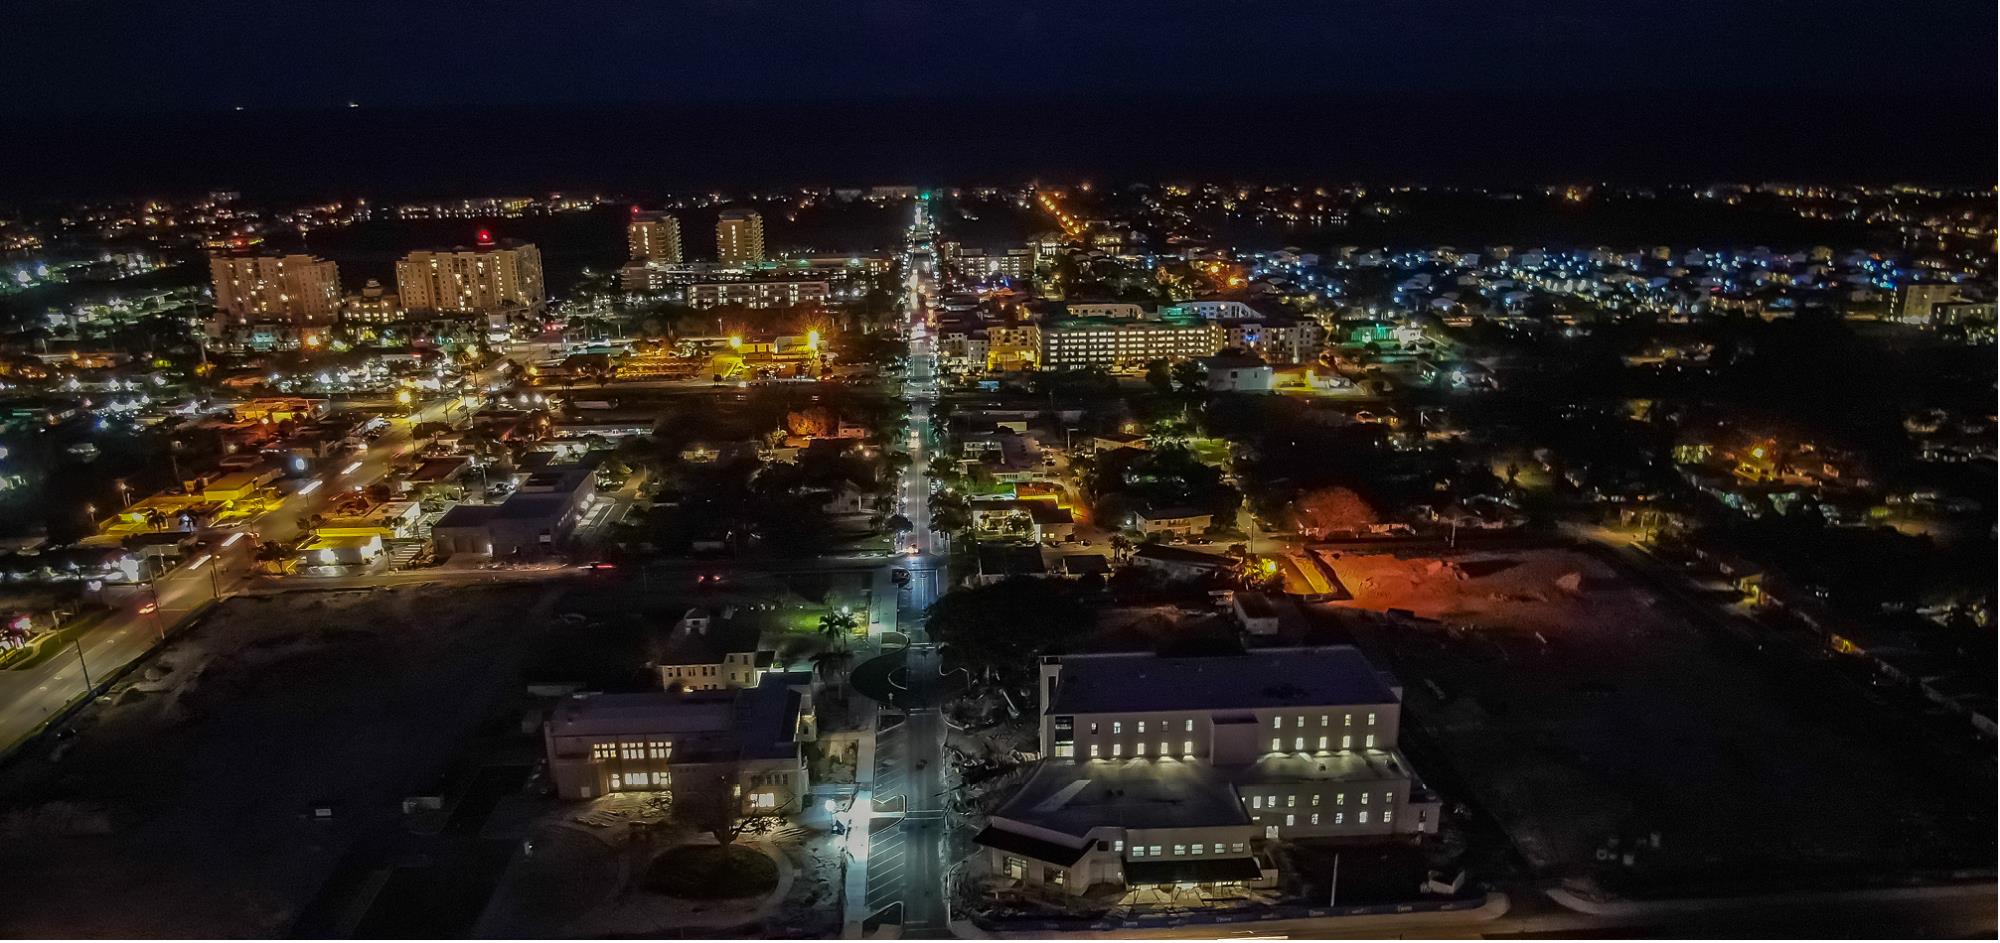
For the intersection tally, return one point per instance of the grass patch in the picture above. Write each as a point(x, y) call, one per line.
point(712, 872)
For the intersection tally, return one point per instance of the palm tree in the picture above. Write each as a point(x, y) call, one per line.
point(837, 626)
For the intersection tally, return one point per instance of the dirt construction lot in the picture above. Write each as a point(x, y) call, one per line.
point(183, 808)
point(1625, 719)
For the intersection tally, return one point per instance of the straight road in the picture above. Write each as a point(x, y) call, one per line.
point(910, 849)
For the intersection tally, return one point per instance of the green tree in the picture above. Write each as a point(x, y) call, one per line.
point(999, 630)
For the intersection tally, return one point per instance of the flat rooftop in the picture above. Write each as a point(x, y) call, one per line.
point(1073, 798)
point(1270, 677)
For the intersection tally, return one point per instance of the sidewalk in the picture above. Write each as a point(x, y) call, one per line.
point(854, 869)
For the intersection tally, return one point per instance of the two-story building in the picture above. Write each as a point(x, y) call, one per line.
point(704, 655)
point(1165, 770)
point(598, 744)
point(1173, 522)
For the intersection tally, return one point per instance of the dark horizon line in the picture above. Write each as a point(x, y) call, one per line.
point(1371, 96)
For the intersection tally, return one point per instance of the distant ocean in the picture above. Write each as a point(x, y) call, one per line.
point(1519, 138)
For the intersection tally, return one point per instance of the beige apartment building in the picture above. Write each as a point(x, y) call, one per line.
point(739, 237)
point(297, 289)
point(483, 278)
point(653, 237)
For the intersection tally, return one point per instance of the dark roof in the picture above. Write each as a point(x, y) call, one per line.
point(1271, 677)
point(770, 716)
point(1040, 849)
point(1192, 871)
point(1166, 554)
point(1011, 560)
point(1078, 564)
point(1074, 798)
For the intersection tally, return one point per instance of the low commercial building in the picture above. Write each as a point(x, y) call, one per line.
point(537, 518)
point(1176, 563)
point(751, 738)
point(1237, 372)
point(1163, 771)
point(1173, 522)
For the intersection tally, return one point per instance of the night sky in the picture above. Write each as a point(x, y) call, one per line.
point(1349, 85)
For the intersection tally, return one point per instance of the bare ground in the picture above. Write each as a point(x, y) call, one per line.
point(1622, 720)
point(204, 774)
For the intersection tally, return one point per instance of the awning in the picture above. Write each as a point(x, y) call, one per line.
point(1192, 871)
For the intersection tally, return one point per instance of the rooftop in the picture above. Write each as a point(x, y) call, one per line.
point(1270, 677)
point(1073, 798)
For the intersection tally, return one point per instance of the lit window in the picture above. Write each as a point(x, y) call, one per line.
point(1315, 818)
point(1347, 741)
point(1277, 723)
point(1371, 718)
point(1364, 798)
point(1322, 743)
point(1093, 726)
point(1291, 802)
point(1298, 743)
point(1364, 817)
point(1256, 802)
point(1190, 726)
point(1236, 847)
point(1339, 818)
point(1291, 820)
point(1138, 851)
point(1187, 748)
point(1200, 849)
point(1315, 798)
point(1369, 741)
point(1093, 751)
point(1153, 851)
point(1118, 844)
point(1347, 720)
point(604, 751)
point(1115, 751)
point(1388, 815)
point(1142, 726)
point(1117, 726)
point(1277, 744)
point(1323, 720)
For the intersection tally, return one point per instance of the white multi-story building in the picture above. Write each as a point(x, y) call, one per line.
point(297, 289)
point(748, 740)
point(1162, 771)
point(760, 294)
point(482, 278)
point(1109, 342)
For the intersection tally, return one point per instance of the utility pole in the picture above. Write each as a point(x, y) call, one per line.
point(87, 686)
